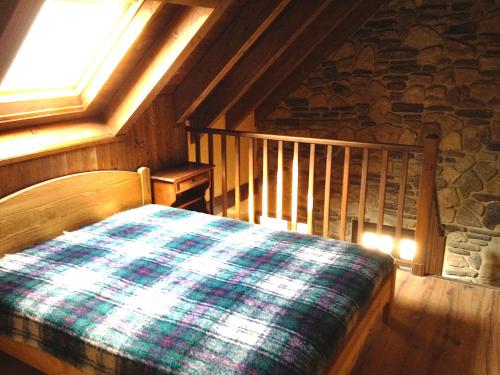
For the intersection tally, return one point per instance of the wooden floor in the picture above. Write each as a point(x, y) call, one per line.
point(437, 326)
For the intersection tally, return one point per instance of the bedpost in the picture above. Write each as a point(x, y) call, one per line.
point(424, 206)
point(386, 314)
point(145, 175)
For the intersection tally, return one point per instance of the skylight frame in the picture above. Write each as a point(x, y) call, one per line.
point(22, 109)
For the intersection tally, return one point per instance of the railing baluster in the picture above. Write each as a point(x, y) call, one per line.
point(295, 184)
point(326, 206)
point(237, 197)
point(211, 162)
point(401, 201)
point(279, 183)
point(345, 193)
point(362, 195)
point(381, 196)
point(264, 179)
point(197, 147)
point(251, 205)
point(224, 175)
point(310, 190)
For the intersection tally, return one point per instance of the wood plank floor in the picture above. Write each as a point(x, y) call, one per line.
point(437, 326)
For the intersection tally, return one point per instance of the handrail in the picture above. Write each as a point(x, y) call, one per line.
point(429, 237)
point(309, 140)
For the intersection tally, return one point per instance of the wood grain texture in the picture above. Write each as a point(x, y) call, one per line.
point(45, 210)
point(155, 141)
point(44, 362)
point(437, 327)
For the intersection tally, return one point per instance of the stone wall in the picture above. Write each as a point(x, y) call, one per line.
point(415, 68)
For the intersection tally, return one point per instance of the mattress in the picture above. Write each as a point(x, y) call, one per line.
point(159, 290)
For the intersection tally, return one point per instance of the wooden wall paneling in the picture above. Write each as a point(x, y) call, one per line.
point(285, 29)
point(222, 56)
point(359, 13)
point(129, 152)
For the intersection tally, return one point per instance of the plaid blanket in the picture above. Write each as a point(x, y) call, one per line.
point(157, 290)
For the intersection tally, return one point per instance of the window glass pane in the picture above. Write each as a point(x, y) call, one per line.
point(64, 40)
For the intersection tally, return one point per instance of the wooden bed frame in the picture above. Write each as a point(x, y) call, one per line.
point(43, 211)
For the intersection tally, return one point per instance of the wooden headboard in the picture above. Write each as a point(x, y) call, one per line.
point(43, 211)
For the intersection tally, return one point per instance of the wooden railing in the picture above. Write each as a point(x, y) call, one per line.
point(428, 234)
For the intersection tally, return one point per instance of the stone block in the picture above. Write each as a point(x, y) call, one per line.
point(463, 28)
point(407, 107)
point(489, 62)
point(490, 25)
point(466, 75)
point(451, 141)
point(474, 113)
point(469, 182)
point(456, 260)
point(467, 218)
point(414, 94)
point(422, 36)
point(464, 246)
point(430, 55)
point(475, 261)
point(398, 54)
point(474, 206)
point(455, 50)
point(485, 170)
point(463, 272)
point(366, 59)
point(449, 174)
point(456, 237)
point(491, 218)
point(448, 198)
point(465, 163)
point(493, 186)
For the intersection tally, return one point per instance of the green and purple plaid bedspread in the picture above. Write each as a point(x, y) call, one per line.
point(159, 290)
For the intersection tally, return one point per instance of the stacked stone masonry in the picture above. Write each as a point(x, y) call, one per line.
point(417, 68)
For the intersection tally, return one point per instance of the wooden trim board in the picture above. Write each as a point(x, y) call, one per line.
point(43, 211)
point(345, 360)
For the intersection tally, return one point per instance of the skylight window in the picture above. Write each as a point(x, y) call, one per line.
point(64, 47)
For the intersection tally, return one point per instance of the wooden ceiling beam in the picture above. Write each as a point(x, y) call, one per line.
point(16, 18)
point(356, 17)
point(226, 51)
point(318, 30)
point(284, 31)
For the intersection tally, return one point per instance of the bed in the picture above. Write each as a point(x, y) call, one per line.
point(95, 279)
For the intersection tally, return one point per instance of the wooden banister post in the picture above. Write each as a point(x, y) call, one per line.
point(424, 205)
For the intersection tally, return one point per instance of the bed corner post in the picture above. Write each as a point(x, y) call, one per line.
point(386, 315)
point(145, 176)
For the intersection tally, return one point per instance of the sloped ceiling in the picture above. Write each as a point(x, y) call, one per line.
point(242, 59)
point(265, 52)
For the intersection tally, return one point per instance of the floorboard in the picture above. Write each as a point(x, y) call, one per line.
point(437, 326)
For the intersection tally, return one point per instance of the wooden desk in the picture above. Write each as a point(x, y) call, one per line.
point(183, 186)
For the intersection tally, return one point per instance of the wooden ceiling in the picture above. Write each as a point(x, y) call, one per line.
point(267, 50)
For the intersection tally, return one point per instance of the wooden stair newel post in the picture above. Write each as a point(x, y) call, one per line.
point(425, 200)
